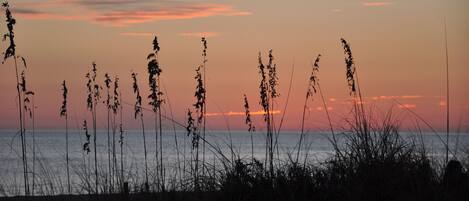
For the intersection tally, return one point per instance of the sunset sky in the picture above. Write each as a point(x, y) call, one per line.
point(398, 45)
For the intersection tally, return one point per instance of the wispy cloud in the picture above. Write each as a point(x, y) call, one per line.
point(411, 96)
point(122, 18)
point(442, 103)
point(200, 34)
point(26, 11)
point(124, 12)
point(377, 3)
point(396, 97)
point(39, 15)
point(231, 113)
point(408, 106)
point(322, 108)
point(107, 3)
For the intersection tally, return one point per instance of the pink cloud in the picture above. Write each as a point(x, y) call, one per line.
point(231, 113)
point(384, 97)
point(322, 108)
point(50, 16)
point(123, 12)
point(122, 18)
point(411, 96)
point(377, 3)
point(396, 97)
point(408, 106)
point(442, 103)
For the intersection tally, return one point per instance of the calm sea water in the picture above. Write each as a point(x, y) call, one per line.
point(50, 151)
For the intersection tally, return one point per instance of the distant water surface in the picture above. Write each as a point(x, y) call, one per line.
point(50, 150)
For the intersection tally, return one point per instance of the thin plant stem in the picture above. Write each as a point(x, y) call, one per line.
point(107, 82)
point(63, 112)
point(145, 153)
point(447, 94)
point(34, 147)
point(175, 135)
point(290, 84)
point(204, 65)
point(302, 128)
point(327, 114)
point(23, 142)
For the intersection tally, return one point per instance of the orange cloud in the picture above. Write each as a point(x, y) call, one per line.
point(377, 4)
point(384, 97)
point(408, 106)
point(321, 108)
point(230, 113)
point(442, 103)
point(411, 97)
point(125, 12)
point(122, 18)
point(396, 97)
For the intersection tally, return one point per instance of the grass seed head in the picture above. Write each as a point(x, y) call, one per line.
point(86, 145)
point(350, 66)
point(248, 121)
point(63, 108)
point(11, 49)
point(138, 101)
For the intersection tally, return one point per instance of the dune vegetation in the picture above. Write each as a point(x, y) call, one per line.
point(372, 162)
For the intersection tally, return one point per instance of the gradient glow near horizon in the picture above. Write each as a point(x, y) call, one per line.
point(398, 48)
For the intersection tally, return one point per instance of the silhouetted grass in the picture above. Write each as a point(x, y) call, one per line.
point(93, 97)
point(156, 99)
point(248, 121)
point(11, 52)
point(63, 113)
point(139, 113)
point(371, 160)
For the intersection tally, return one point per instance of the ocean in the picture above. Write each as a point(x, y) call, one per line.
point(50, 165)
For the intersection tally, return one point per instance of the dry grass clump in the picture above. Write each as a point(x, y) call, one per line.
point(139, 113)
point(371, 161)
point(156, 99)
point(93, 97)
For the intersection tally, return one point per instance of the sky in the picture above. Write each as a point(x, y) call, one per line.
point(399, 49)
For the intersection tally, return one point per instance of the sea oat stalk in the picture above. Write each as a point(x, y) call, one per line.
point(154, 72)
point(139, 113)
point(92, 101)
point(11, 52)
point(107, 82)
point(251, 127)
point(63, 113)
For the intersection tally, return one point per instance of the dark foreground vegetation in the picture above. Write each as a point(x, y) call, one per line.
point(398, 172)
point(373, 162)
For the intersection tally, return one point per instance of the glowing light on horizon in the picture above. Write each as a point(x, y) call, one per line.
point(396, 97)
point(231, 113)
